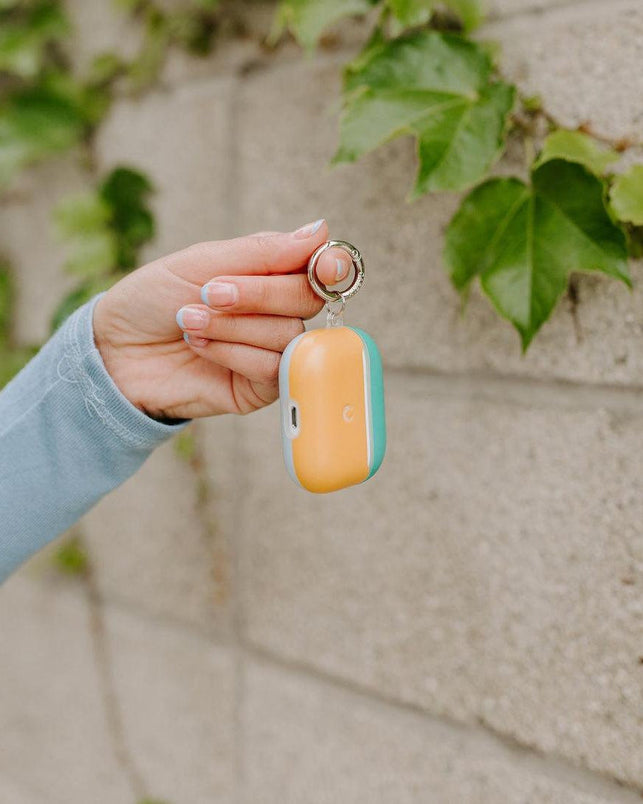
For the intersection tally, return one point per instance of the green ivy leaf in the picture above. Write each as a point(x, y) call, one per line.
point(130, 6)
point(471, 12)
point(105, 67)
point(35, 123)
point(524, 241)
point(574, 146)
point(89, 101)
point(146, 67)
point(627, 196)
point(24, 37)
point(152, 801)
point(411, 13)
point(125, 187)
point(185, 445)
point(6, 299)
point(635, 241)
point(92, 255)
point(104, 231)
point(81, 214)
point(193, 30)
point(71, 557)
point(126, 192)
point(437, 87)
point(12, 358)
point(307, 19)
point(84, 221)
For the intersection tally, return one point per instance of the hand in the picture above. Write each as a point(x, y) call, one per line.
point(257, 296)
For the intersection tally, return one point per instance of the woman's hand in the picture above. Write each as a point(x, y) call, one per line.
point(239, 303)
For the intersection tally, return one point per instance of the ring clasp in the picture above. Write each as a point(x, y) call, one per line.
point(358, 279)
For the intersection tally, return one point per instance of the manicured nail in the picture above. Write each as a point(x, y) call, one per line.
point(191, 318)
point(194, 340)
point(342, 270)
point(309, 229)
point(220, 294)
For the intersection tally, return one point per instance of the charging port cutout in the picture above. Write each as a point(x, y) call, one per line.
point(293, 419)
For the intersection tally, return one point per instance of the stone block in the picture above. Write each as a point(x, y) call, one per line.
point(29, 241)
point(490, 571)
point(287, 134)
point(310, 741)
point(55, 737)
point(181, 139)
point(154, 547)
point(176, 694)
point(579, 60)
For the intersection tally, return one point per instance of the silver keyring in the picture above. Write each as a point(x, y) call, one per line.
point(355, 285)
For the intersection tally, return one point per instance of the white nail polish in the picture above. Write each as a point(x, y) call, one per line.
point(309, 229)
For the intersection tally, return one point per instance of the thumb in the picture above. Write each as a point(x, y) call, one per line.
point(262, 253)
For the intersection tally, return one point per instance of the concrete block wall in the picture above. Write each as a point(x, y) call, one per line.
point(466, 627)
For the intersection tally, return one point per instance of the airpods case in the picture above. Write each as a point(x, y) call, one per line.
point(332, 408)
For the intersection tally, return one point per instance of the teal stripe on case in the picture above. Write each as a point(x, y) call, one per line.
point(378, 419)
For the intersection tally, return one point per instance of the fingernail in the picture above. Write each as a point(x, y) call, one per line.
point(190, 318)
point(194, 340)
point(309, 229)
point(219, 294)
point(342, 270)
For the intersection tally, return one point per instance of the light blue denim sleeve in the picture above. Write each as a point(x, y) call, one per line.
point(67, 437)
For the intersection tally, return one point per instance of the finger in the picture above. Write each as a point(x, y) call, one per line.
point(334, 266)
point(258, 365)
point(261, 253)
point(269, 295)
point(272, 332)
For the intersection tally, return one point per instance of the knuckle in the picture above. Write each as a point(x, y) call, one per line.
point(309, 302)
point(227, 325)
point(270, 370)
point(294, 328)
point(267, 244)
point(304, 293)
point(262, 241)
point(264, 292)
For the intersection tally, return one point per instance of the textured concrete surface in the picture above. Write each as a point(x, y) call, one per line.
point(464, 627)
point(491, 571)
point(55, 738)
point(173, 691)
point(18, 795)
point(499, 8)
point(29, 240)
point(310, 742)
point(154, 549)
point(580, 60)
point(176, 694)
point(408, 303)
point(101, 27)
point(181, 139)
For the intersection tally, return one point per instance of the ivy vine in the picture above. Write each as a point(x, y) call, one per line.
point(420, 74)
point(46, 109)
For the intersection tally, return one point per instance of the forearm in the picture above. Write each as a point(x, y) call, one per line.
point(67, 437)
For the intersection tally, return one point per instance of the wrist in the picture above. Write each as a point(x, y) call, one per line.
point(110, 353)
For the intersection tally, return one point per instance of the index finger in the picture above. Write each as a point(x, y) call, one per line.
point(263, 253)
